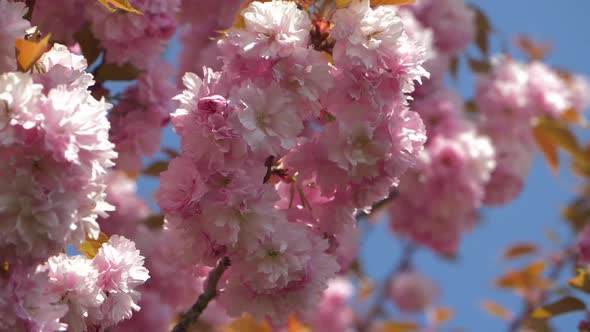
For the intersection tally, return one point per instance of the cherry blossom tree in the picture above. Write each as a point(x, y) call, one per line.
point(299, 121)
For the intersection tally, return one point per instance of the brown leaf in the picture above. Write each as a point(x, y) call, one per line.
point(91, 246)
point(535, 50)
point(550, 134)
point(155, 221)
point(479, 66)
point(88, 43)
point(483, 30)
point(395, 326)
point(155, 168)
point(115, 72)
point(497, 310)
point(520, 249)
point(562, 306)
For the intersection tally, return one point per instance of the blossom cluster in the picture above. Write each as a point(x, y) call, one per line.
point(511, 98)
point(73, 293)
point(457, 162)
point(283, 146)
point(471, 160)
point(55, 155)
point(131, 42)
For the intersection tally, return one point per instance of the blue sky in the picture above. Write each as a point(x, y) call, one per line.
point(467, 281)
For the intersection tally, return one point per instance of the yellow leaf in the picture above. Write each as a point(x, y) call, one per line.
point(497, 310)
point(529, 278)
point(581, 281)
point(91, 246)
point(246, 324)
point(520, 249)
point(295, 325)
point(551, 134)
point(395, 326)
point(441, 315)
point(28, 52)
point(113, 5)
point(572, 115)
point(562, 306)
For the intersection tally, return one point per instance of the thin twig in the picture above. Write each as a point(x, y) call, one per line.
point(207, 296)
point(377, 307)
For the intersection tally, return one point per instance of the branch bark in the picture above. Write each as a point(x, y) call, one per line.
point(209, 293)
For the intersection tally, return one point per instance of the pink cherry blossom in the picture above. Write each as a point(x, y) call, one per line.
point(13, 27)
point(412, 292)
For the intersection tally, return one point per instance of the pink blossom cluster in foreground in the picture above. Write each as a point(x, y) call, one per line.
point(73, 293)
point(281, 148)
point(54, 157)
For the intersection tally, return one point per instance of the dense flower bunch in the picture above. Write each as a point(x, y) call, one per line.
point(296, 119)
point(511, 98)
point(55, 153)
point(458, 160)
point(281, 147)
point(466, 162)
point(130, 43)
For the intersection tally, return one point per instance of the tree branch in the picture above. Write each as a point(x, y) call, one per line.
point(382, 295)
point(209, 293)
